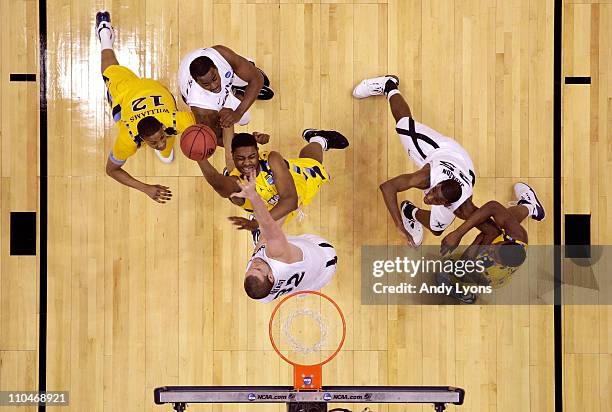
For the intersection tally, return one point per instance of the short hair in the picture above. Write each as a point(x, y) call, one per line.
point(243, 140)
point(256, 287)
point(200, 66)
point(511, 254)
point(451, 190)
point(148, 126)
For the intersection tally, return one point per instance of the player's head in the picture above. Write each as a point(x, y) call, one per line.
point(509, 253)
point(258, 280)
point(444, 193)
point(205, 73)
point(151, 131)
point(245, 153)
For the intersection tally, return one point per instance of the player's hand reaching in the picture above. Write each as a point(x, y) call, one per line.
point(450, 243)
point(247, 190)
point(159, 193)
point(228, 117)
point(244, 223)
point(408, 237)
point(261, 138)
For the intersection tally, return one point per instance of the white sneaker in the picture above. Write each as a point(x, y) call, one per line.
point(374, 86)
point(525, 194)
point(166, 160)
point(412, 226)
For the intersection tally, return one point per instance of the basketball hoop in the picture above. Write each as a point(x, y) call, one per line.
point(305, 328)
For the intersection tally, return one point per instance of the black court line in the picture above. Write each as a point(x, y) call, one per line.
point(42, 327)
point(578, 80)
point(23, 77)
point(557, 308)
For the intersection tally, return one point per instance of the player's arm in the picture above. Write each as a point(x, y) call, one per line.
point(287, 193)
point(488, 228)
point(210, 118)
point(401, 183)
point(223, 185)
point(228, 135)
point(158, 193)
point(247, 72)
point(277, 245)
point(502, 217)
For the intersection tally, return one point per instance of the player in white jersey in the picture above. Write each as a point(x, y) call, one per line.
point(446, 172)
point(211, 78)
point(283, 264)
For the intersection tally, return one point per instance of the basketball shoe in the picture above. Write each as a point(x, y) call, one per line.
point(103, 22)
point(525, 195)
point(412, 226)
point(375, 86)
point(444, 279)
point(332, 138)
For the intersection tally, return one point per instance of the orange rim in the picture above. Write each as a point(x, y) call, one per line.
point(303, 292)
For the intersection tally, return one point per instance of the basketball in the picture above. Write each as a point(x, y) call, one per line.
point(198, 142)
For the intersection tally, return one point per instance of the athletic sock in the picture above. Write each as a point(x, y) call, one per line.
point(410, 211)
point(321, 140)
point(392, 93)
point(529, 206)
point(106, 40)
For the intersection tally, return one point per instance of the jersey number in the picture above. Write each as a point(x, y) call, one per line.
point(294, 281)
point(140, 104)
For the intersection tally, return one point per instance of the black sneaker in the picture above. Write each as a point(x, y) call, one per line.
point(103, 21)
point(445, 279)
point(334, 139)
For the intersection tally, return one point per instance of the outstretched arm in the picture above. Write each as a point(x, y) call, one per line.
point(223, 185)
point(247, 72)
point(159, 193)
point(277, 245)
point(492, 209)
point(390, 189)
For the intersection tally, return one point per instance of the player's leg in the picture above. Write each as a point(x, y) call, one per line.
point(106, 35)
point(320, 141)
point(313, 150)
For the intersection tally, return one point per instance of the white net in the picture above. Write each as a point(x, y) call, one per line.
point(307, 329)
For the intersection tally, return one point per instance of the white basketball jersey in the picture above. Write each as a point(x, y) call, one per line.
point(313, 272)
point(193, 94)
point(452, 164)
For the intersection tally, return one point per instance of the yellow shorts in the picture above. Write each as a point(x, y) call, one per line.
point(118, 80)
point(309, 175)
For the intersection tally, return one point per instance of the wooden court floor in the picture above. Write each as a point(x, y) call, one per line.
point(141, 295)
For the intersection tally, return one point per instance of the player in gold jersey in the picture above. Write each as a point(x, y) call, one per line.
point(145, 112)
point(505, 253)
point(285, 185)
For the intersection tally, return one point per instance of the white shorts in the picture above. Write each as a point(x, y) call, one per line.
point(421, 142)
